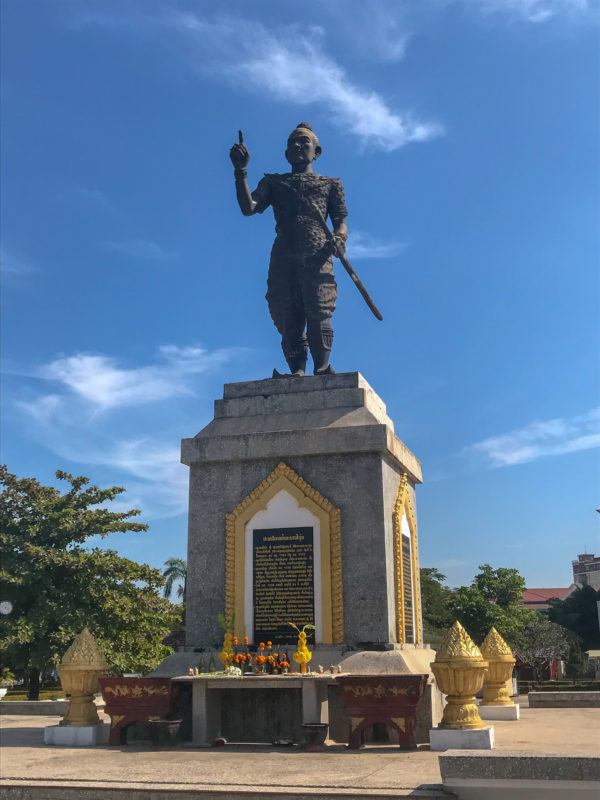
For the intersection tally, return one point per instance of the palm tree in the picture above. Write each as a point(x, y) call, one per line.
point(175, 572)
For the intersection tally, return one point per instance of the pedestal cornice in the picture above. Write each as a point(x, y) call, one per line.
point(313, 416)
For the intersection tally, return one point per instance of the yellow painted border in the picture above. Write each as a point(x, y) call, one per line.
point(403, 506)
point(283, 477)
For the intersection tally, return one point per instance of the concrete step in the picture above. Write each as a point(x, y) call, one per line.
point(82, 790)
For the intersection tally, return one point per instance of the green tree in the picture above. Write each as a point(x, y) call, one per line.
point(542, 641)
point(579, 613)
point(57, 586)
point(575, 661)
point(493, 599)
point(437, 601)
point(175, 572)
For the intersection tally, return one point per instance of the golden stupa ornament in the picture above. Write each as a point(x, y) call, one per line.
point(459, 670)
point(500, 666)
point(79, 670)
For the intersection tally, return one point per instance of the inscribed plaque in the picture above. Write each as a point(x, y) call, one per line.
point(408, 590)
point(283, 576)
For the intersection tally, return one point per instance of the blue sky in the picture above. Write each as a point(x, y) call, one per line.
point(466, 135)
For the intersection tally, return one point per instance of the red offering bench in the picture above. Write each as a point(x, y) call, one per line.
point(390, 699)
point(134, 700)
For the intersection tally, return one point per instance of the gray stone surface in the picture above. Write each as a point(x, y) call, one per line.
point(37, 707)
point(242, 771)
point(32, 790)
point(519, 764)
point(564, 699)
point(255, 419)
point(499, 712)
point(463, 739)
point(334, 432)
point(405, 660)
point(342, 403)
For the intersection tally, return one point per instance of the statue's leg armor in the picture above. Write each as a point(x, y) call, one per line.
point(319, 293)
point(285, 306)
point(320, 340)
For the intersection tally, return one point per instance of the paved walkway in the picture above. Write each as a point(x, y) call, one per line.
point(245, 768)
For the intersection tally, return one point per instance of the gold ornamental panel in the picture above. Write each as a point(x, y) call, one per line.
point(407, 586)
point(283, 478)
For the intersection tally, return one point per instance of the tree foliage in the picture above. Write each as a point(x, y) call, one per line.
point(492, 599)
point(175, 572)
point(57, 585)
point(542, 641)
point(437, 601)
point(579, 613)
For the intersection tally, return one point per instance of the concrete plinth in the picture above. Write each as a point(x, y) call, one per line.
point(564, 699)
point(520, 775)
point(334, 433)
point(499, 712)
point(29, 708)
point(476, 739)
point(77, 735)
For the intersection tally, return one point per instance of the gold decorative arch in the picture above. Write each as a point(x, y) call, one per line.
point(403, 506)
point(284, 478)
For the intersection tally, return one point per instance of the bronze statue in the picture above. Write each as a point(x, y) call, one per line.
point(301, 287)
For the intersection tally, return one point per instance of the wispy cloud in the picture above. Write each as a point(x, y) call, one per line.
point(12, 263)
point(160, 484)
point(552, 437)
point(141, 249)
point(534, 10)
point(362, 245)
point(67, 421)
point(87, 196)
point(287, 64)
point(101, 382)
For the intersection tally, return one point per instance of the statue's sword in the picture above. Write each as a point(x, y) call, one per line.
point(345, 263)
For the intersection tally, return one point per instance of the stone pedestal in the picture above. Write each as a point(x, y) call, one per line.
point(77, 735)
point(465, 739)
point(315, 459)
point(331, 439)
point(499, 712)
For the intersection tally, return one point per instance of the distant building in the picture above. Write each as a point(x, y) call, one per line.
point(537, 599)
point(586, 570)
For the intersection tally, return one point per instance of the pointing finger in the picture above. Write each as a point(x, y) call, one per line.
point(241, 137)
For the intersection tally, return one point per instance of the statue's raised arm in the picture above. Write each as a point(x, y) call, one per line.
point(240, 156)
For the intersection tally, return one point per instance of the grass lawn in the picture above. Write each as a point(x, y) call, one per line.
point(45, 694)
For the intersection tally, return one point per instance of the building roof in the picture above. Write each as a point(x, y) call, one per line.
point(538, 598)
point(543, 595)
